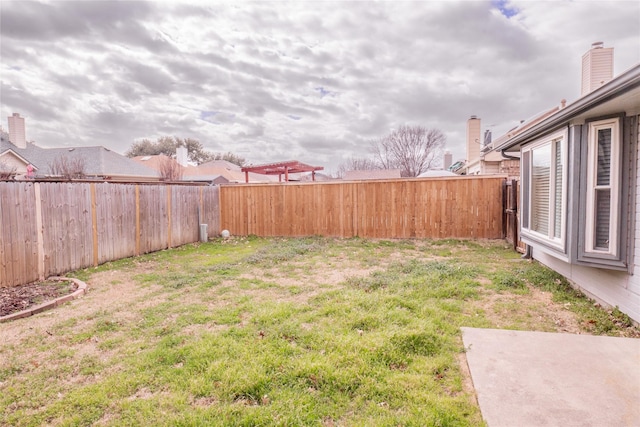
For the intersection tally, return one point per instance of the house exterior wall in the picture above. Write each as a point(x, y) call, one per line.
point(609, 287)
point(490, 168)
point(10, 161)
point(473, 168)
point(511, 167)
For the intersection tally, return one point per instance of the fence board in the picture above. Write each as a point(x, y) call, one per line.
point(461, 207)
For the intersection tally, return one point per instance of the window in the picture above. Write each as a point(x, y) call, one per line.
point(577, 192)
point(544, 175)
point(603, 187)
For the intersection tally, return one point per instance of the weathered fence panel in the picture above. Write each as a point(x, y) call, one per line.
point(460, 207)
point(210, 209)
point(154, 219)
point(67, 237)
point(117, 219)
point(49, 228)
point(18, 233)
point(185, 204)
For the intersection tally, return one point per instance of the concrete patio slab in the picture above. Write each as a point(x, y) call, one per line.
point(533, 379)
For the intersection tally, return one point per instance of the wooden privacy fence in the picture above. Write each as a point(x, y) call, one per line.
point(460, 207)
point(49, 228)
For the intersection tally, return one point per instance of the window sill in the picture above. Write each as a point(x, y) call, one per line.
point(555, 249)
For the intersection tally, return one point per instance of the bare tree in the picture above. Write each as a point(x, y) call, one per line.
point(6, 171)
point(167, 145)
point(230, 157)
point(170, 170)
point(68, 168)
point(357, 164)
point(412, 149)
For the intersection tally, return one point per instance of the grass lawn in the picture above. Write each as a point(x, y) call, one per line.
point(295, 332)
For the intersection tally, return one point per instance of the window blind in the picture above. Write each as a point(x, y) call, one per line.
point(540, 188)
point(604, 157)
point(557, 231)
point(603, 219)
point(524, 188)
point(603, 191)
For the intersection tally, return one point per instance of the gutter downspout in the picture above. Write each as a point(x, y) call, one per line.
point(508, 156)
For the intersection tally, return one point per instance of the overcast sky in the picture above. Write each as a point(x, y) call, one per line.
point(312, 81)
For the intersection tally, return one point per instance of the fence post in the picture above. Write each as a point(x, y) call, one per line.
point(137, 220)
point(39, 231)
point(169, 216)
point(505, 216)
point(94, 221)
point(514, 209)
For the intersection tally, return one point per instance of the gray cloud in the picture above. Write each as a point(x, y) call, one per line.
point(21, 99)
point(47, 21)
point(312, 80)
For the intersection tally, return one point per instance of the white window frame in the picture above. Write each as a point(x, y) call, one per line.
point(549, 239)
point(614, 186)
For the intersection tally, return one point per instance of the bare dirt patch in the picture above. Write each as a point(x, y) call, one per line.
point(113, 291)
point(535, 309)
point(18, 298)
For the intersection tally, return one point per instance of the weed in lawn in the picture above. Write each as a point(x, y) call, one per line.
point(285, 250)
point(432, 279)
point(67, 323)
point(208, 284)
point(397, 352)
point(12, 369)
point(512, 281)
point(223, 270)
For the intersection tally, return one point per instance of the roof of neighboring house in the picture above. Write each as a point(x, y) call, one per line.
point(459, 165)
point(318, 177)
point(436, 173)
point(228, 170)
point(492, 152)
point(14, 154)
point(222, 164)
point(621, 93)
point(216, 179)
point(371, 174)
point(154, 162)
point(98, 161)
point(215, 170)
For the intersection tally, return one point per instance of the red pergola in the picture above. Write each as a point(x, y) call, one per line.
point(281, 168)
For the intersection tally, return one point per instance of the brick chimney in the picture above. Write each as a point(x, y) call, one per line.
point(17, 131)
point(182, 155)
point(448, 159)
point(473, 139)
